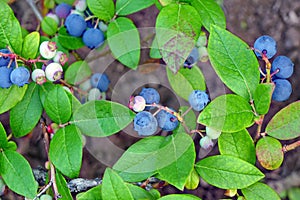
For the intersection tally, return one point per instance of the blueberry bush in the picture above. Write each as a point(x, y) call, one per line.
point(46, 84)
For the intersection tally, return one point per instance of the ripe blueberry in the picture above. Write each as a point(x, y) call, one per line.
point(100, 81)
point(266, 45)
point(4, 61)
point(166, 121)
point(75, 25)
point(93, 38)
point(20, 76)
point(145, 123)
point(5, 81)
point(192, 58)
point(198, 100)
point(151, 96)
point(282, 91)
point(63, 10)
point(284, 65)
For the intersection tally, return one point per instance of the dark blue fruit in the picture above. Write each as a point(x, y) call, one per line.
point(93, 38)
point(282, 91)
point(166, 121)
point(5, 77)
point(192, 58)
point(150, 95)
point(75, 25)
point(100, 81)
point(20, 76)
point(145, 123)
point(284, 65)
point(4, 60)
point(198, 100)
point(63, 10)
point(265, 44)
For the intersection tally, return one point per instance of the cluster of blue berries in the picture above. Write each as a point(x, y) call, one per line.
point(167, 119)
point(282, 67)
point(78, 23)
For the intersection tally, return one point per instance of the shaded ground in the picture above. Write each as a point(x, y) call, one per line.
point(248, 19)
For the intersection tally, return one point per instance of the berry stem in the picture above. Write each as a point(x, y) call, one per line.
point(290, 147)
point(74, 87)
point(259, 123)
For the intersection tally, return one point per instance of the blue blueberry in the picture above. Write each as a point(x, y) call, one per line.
point(192, 58)
point(285, 66)
point(63, 10)
point(100, 81)
point(265, 44)
point(75, 25)
point(166, 121)
point(20, 76)
point(145, 123)
point(282, 91)
point(198, 100)
point(93, 38)
point(4, 61)
point(151, 96)
point(5, 77)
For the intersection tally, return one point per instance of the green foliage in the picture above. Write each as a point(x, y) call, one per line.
point(103, 9)
point(78, 72)
point(31, 45)
point(260, 191)
point(126, 7)
point(262, 98)
point(49, 26)
point(124, 41)
point(68, 41)
point(14, 94)
point(62, 186)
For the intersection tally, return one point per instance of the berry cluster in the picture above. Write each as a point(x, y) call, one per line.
point(280, 70)
point(80, 22)
point(167, 119)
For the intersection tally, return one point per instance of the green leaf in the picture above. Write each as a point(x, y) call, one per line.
point(228, 172)
point(31, 45)
point(3, 137)
point(26, 114)
point(140, 193)
point(10, 34)
point(167, 2)
point(179, 197)
point(285, 124)
point(189, 120)
point(49, 26)
point(177, 30)
point(154, 50)
point(238, 144)
point(49, 3)
point(75, 103)
point(62, 187)
point(193, 180)
point(11, 145)
point(113, 187)
point(262, 97)
point(103, 9)
point(186, 81)
point(102, 118)
point(126, 7)
point(66, 150)
point(57, 105)
point(17, 174)
point(182, 158)
point(77, 72)
point(234, 62)
point(44, 90)
point(228, 113)
point(140, 160)
point(260, 191)
point(14, 94)
point(210, 13)
point(94, 193)
point(65, 1)
point(68, 41)
point(293, 193)
point(269, 153)
point(124, 41)
point(171, 157)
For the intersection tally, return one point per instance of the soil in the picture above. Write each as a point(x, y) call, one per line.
point(247, 19)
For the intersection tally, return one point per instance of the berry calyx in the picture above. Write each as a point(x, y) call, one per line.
point(60, 57)
point(48, 49)
point(38, 76)
point(166, 120)
point(54, 72)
